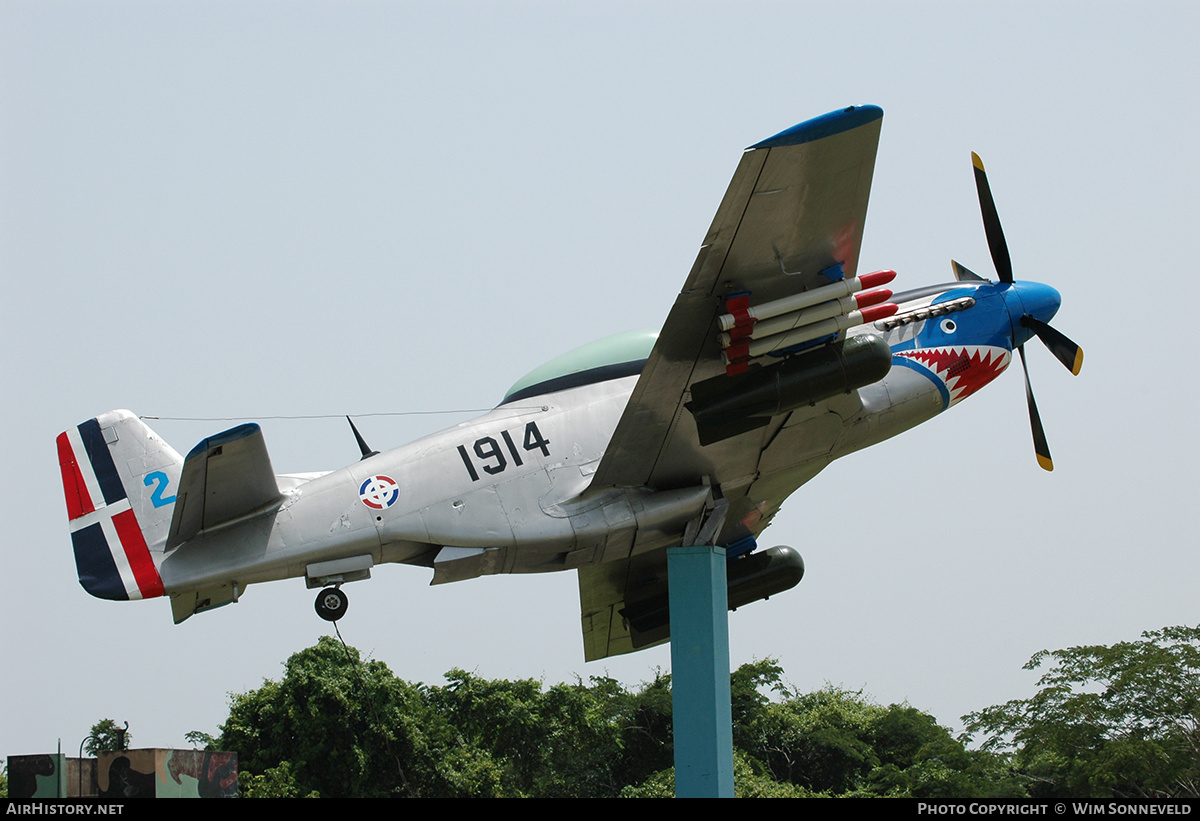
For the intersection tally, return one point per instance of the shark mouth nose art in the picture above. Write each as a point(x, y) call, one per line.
point(957, 370)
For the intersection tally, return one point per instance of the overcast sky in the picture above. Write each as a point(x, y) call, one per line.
point(259, 210)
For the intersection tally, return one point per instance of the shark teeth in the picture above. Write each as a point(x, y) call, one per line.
point(963, 368)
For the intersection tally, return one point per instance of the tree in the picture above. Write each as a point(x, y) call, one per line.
point(821, 740)
point(337, 726)
point(107, 736)
point(568, 741)
point(350, 728)
point(276, 782)
point(748, 779)
point(647, 730)
point(1120, 721)
point(838, 742)
point(918, 758)
point(200, 740)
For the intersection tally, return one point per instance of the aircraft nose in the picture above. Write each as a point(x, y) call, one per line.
point(1038, 300)
point(1033, 299)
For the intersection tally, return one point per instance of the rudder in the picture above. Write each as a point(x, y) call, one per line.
point(119, 480)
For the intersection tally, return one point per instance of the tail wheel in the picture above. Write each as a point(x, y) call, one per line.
point(331, 604)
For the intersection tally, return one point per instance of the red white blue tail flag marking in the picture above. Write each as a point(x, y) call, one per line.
point(111, 554)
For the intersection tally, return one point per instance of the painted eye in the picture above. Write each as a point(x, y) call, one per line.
point(948, 326)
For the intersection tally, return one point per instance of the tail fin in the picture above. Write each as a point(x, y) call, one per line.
point(119, 479)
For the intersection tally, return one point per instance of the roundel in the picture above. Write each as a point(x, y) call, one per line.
point(378, 492)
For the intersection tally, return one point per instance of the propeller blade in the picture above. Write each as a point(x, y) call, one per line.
point(991, 223)
point(1066, 351)
point(964, 274)
point(1040, 446)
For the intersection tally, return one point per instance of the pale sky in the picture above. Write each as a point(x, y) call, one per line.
point(257, 210)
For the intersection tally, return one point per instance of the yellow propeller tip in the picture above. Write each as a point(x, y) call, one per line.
point(1045, 462)
point(1077, 366)
point(978, 163)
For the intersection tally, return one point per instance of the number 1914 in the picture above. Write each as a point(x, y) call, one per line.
point(490, 454)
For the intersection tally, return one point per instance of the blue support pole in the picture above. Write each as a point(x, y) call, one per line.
point(700, 704)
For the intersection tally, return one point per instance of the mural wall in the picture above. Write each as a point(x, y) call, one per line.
point(148, 773)
point(40, 776)
point(160, 773)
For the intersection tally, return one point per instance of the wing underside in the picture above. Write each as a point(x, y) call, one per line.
point(790, 222)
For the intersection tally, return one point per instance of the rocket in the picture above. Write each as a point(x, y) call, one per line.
point(837, 290)
point(785, 323)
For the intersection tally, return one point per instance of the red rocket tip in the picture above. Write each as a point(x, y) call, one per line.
point(867, 298)
point(878, 312)
point(877, 278)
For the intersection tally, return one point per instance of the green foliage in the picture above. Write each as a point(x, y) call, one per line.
point(4, 781)
point(346, 728)
point(200, 740)
point(823, 739)
point(276, 782)
point(838, 742)
point(748, 779)
point(1120, 721)
point(106, 736)
point(560, 743)
point(647, 732)
point(335, 726)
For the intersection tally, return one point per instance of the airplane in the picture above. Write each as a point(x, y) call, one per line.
point(777, 358)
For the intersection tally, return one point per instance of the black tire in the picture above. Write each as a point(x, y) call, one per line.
point(331, 604)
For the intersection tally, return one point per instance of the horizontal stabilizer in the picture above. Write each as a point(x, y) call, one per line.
point(187, 604)
point(226, 478)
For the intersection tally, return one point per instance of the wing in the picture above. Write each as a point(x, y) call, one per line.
point(796, 207)
point(790, 222)
point(614, 622)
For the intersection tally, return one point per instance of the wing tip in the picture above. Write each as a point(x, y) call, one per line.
point(826, 125)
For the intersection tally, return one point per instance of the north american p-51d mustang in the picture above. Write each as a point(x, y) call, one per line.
point(776, 359)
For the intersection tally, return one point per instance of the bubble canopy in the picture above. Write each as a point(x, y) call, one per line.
point(613, 357)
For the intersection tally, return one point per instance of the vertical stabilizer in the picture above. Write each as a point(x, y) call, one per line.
point(120, 480)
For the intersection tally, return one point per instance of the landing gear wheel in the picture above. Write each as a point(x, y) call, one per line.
point(331, 604)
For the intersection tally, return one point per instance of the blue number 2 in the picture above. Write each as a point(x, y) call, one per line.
point(160, 481)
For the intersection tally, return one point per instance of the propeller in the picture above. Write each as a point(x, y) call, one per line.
point(1066, 351)
point(991, 223)
point(964, 274)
